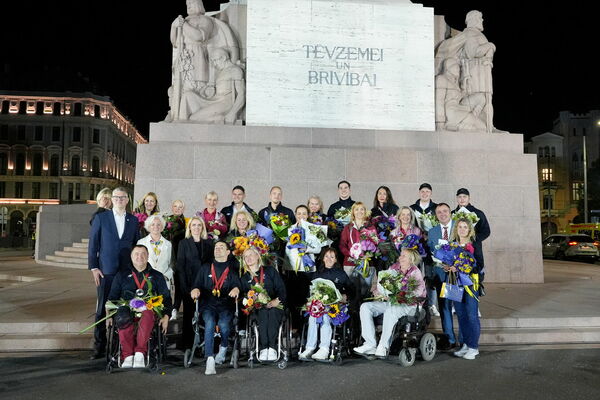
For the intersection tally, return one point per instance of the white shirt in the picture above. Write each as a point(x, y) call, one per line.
point(424, 205)
point(449, 226)
point(235, 210)
point(120, 222)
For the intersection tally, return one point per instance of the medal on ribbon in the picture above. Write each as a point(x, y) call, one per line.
point(218, 282)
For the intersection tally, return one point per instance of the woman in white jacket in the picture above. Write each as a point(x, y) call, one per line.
point(159, 248)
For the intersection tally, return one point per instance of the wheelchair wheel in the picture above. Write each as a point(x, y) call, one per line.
point(187, 358)
point(235, 355)
point(338, 359)
point(427, 346)
point(407, 356)
point(282, 364)
point(109, 368)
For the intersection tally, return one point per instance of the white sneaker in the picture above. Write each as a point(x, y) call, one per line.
point(306, 354)
point(365, 349)
point(479, 313)
point(453, 310)
point(210, 366)
point(263, 355)
point(127, 362)
point(434, 311)
point(381, 352)
point(220, 358)
point(173, 315)
point(272, 354)
point(322, 354)
point(470, 354)
point(139, 361)
point(462, 351)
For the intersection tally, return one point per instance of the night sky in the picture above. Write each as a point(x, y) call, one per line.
point(545, 60)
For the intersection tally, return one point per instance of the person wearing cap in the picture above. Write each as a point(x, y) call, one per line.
point(424, 205)
point(482, 227)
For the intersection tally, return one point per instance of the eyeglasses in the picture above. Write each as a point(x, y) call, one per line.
point(119, 197)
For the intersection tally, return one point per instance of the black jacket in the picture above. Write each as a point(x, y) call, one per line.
point(228, 212)
point(339, 204)
point(189, 260)
point(124, 286)
point(482, 232)
point(204, 282)
point(273, 283)
point(428, 210)
point(264, 215)
point(338, 277)
point(98, 211)
point(388, 208)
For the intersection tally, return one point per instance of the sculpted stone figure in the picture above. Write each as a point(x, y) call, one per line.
point(474, 54)
point(192, 38)
point(458, 112)
point(229, 98)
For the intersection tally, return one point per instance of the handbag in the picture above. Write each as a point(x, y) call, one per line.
point(451, 290)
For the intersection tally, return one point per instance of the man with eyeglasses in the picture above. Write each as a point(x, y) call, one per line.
point(112, 236)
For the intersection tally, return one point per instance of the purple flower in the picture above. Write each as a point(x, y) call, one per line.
point(137, 303)
point(367, 245)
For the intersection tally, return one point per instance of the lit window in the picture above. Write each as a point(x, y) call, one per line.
point(547, 174)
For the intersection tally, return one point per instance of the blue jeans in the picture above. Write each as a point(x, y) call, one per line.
point(445, 307)
point(326, 331)
point(211, 317)
point(468, 320)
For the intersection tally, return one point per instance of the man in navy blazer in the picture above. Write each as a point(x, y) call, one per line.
point(112, 236)
point(440, 234)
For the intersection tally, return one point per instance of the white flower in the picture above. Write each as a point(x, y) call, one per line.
point(245, 302)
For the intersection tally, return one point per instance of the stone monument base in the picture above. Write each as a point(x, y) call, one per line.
point(185, 161)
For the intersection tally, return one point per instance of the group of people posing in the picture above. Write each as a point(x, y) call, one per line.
point(217, 257)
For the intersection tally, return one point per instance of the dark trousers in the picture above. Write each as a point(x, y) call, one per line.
point(269, 320)
point(102, 292)
point(178, 294)
point(187, 331)
point(297, 287)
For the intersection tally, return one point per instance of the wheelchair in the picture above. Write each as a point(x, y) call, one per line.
point(343, 338)
point(410, 334)
point(284, 342)
point(157, 348)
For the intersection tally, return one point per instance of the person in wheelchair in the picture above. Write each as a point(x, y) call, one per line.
point(214, 285)
point(407, 266)
point(271, 315)
point(134, 333)
point(331, 270)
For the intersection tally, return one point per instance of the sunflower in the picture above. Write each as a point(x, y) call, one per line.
point(156, 301)
point(333, 310)
point(250, 302)
point(295, 238)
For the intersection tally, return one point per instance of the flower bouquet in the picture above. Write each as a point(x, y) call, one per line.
point(384, 225)
point(174, 226)
point(397, 288)
point(343, 215)
point(280, 224)
point(426, 221)
point(464, 213)
point(141, 217)
point(315, 235)
point(324, 296)
point(239, 245)
point(296, 250)
point(445, 253)
point(413, 242)
point(362, 252)
point(256, 298)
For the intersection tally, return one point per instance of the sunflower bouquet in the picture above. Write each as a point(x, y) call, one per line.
point(325, 298)
point(296, 249)
point(280, 224)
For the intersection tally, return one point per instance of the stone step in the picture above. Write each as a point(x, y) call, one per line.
point(528, 323)
point(85, 240)
point(76, 250)
point(54, 341)
point(71, 254)
point(539, 336)
point(81, 245)
point(61, 264)
point(14, 328)
point(69, 260)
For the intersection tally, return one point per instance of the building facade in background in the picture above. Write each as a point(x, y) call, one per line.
point(58, 148)
point(561, 164)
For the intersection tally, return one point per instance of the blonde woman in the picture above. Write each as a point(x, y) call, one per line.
point(194, 251)
point(147, 206)
point(315, 210)
point(216, 223)
point(359, 217)
point(407, 225)
point(241, 223)
point(270, 316)
point(104, 201)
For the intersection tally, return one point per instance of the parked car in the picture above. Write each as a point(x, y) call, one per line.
point(562, 246)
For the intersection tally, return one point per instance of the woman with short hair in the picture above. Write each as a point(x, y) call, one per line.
point(159, 248)
point(216, 223)
point(104, 201)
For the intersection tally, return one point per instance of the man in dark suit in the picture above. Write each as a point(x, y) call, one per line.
point(112, 236)
point(440, 234)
